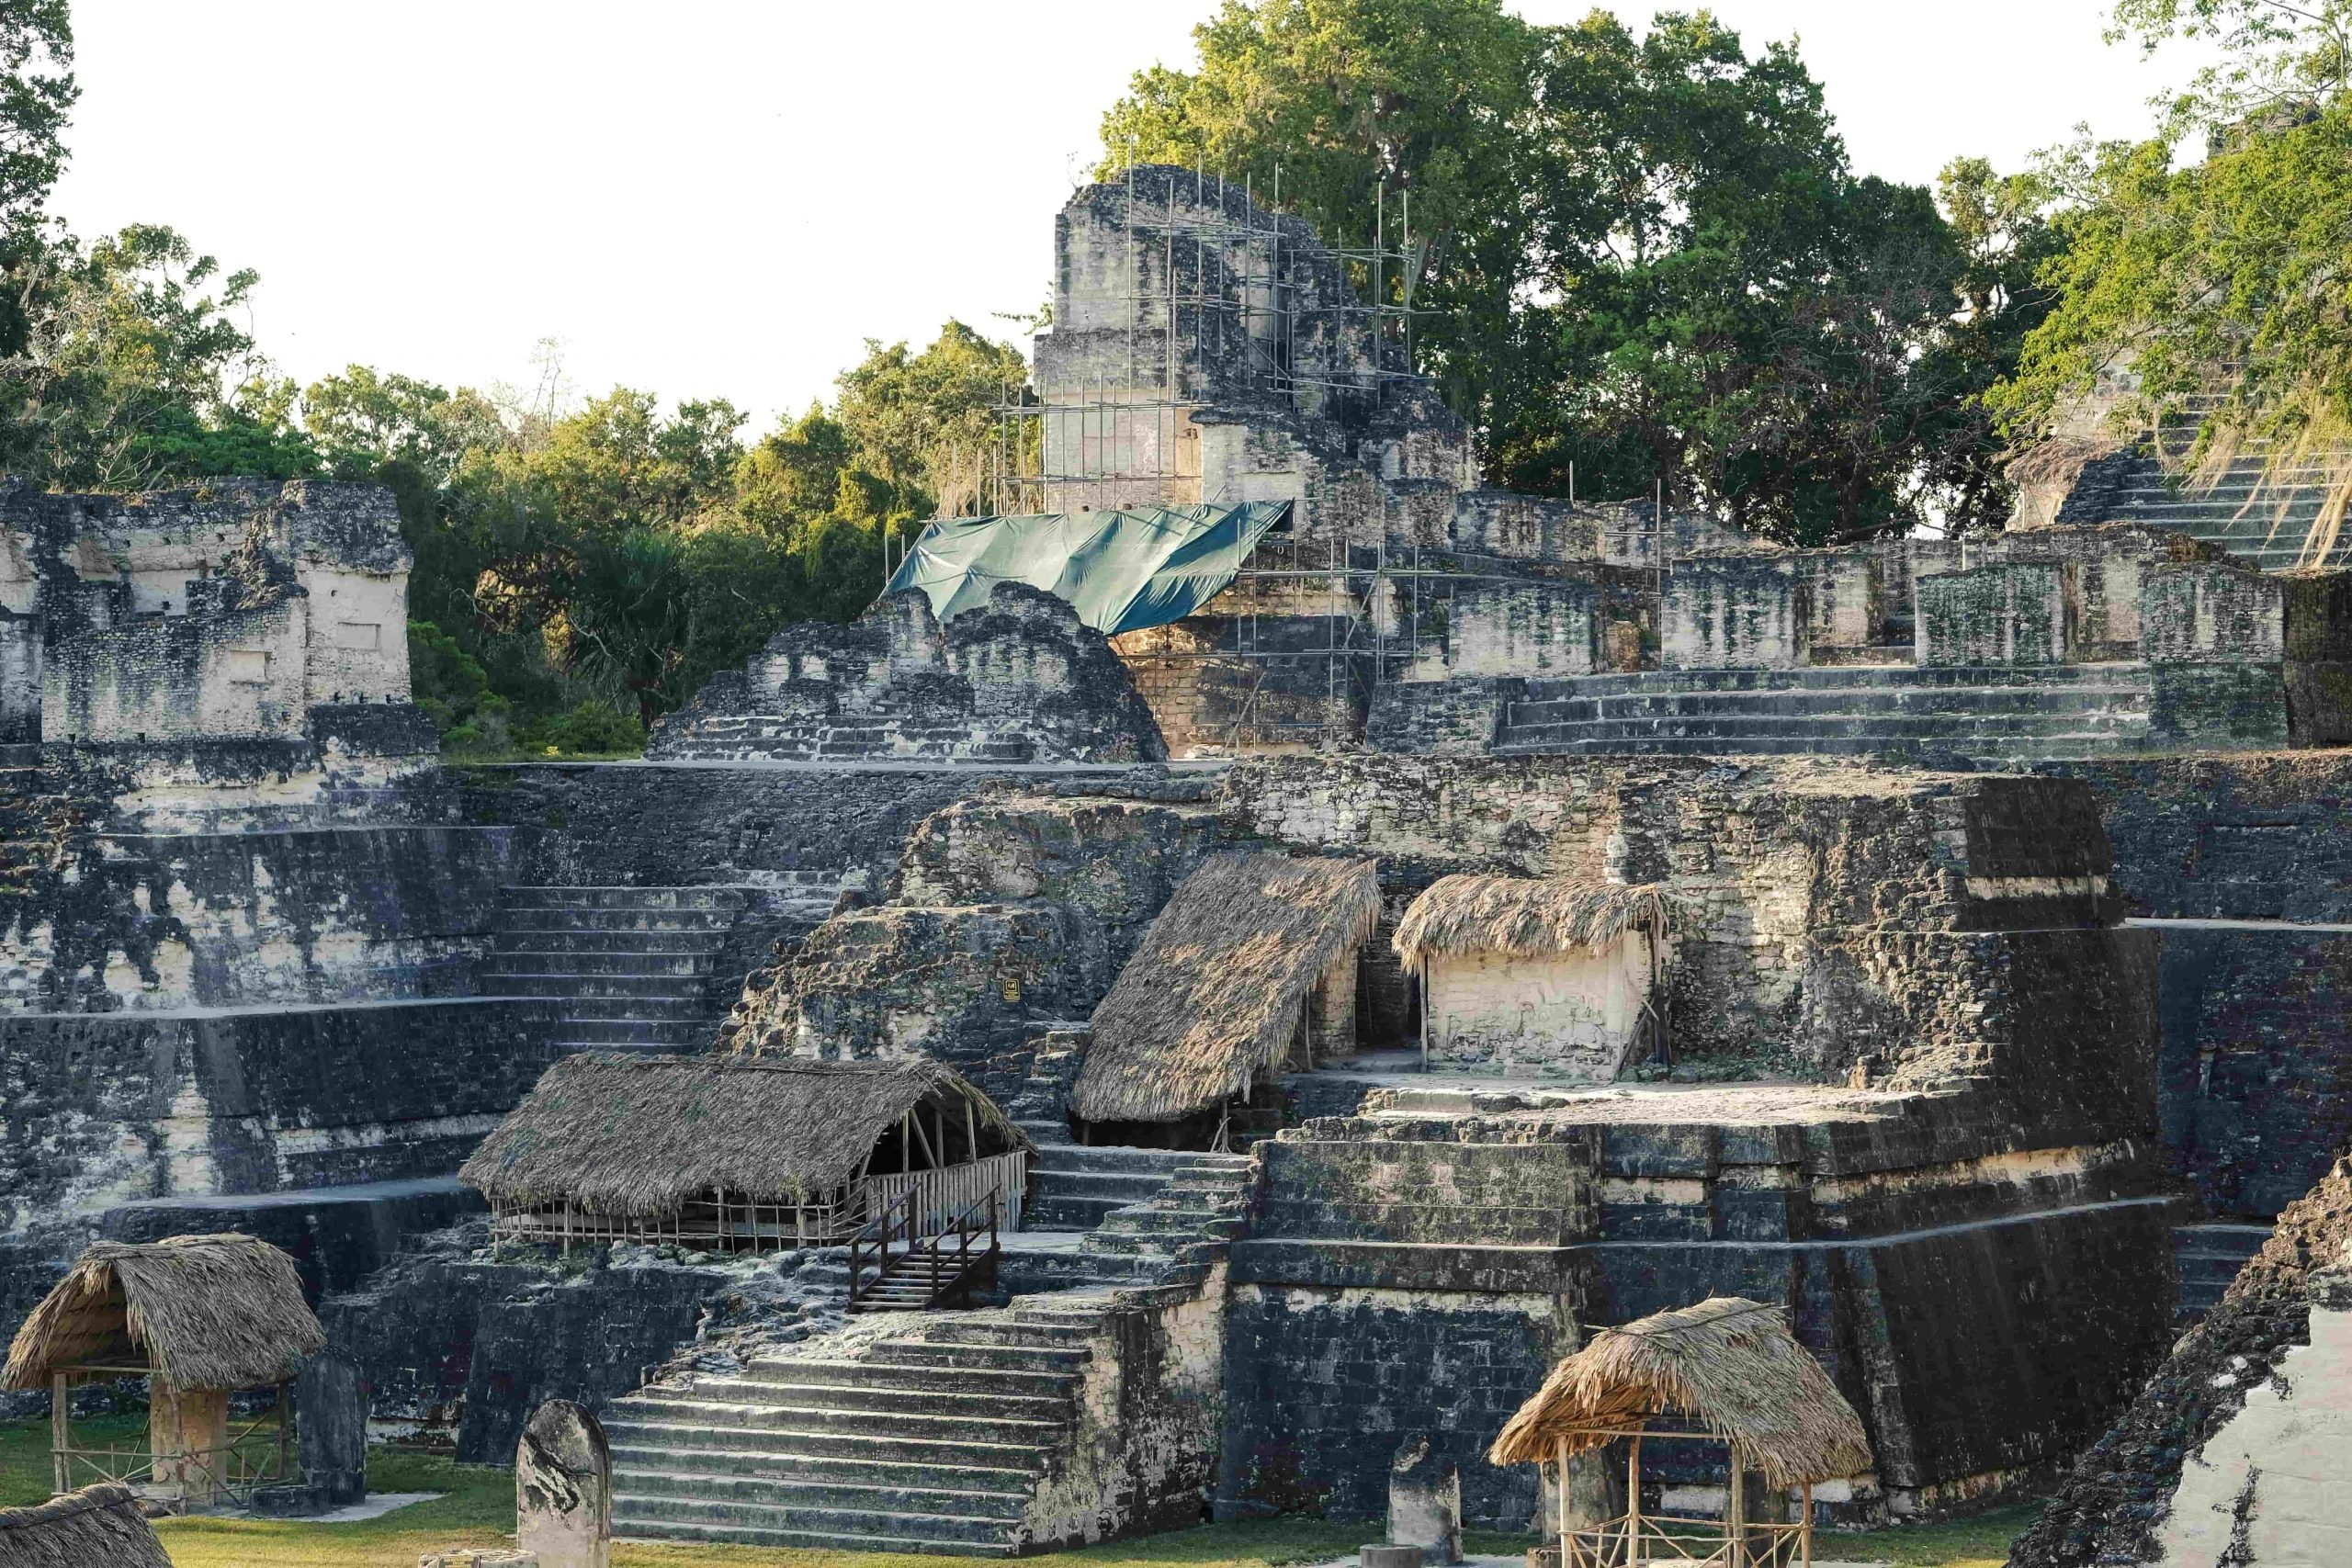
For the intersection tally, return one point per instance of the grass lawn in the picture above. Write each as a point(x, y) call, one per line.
point(478, 1510)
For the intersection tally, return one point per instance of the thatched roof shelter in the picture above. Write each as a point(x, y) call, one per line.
point(1210, 1001)
point(626, 1134)
point(206, 1311)
point(1728, 1364)
point(1475, 912)
point(98, 1527)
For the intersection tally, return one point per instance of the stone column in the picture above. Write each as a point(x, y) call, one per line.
point(564, 1488)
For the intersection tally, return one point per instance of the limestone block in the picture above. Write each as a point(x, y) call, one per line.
point(2009, 614)
point(1522, 628)
point(1425, 1503)
point(2274, 1486)
point(468, 1557)
point(1737, 612)
point(2207, 615)
point(564, 1488)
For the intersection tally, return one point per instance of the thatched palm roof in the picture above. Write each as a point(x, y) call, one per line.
point(1728, 1363)
point(220, 1312)
point(631, 1135)
point(98, 1527)
point(1479, 913)
point(1210, 1000)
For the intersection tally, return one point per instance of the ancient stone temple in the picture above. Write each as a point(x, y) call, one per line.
point(1384, 937)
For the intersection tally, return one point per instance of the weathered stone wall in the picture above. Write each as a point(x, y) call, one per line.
point(2007, 613)
point(1519, 628)
point(1736, 612)
point(1572, 1017)
point(146, 920)
point(460, 1350)
point(1441, 718)
point(229, 609)
point(2255, 1071)
point(1142, 1455)
point(1983, 1298)
point(1825, 900)
point(2253, 855)
point(1009, 912)
point(1017, 680)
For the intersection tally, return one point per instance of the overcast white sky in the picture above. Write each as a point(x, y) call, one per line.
point(725, 199)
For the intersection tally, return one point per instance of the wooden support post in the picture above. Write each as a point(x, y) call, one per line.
point(929, 1153)
point(1634, 1500)
point(971, 1130)
point(285, 1426)
point(60, 1424)
point(1560, 1453)
point(1804, 1534)
point(1735, 1515)
point(907, 1144)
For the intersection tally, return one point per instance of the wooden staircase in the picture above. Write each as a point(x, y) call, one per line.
point(916, 1268)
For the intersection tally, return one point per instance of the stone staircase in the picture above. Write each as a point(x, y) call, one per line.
point(1073, 1187)
point(933, 1439)
point(1037, 1108)
point(2263, 525)
point(635, 967)
point(1987, 713)
point(2208, 1257)
point(1204, 1200)
point(753, 737)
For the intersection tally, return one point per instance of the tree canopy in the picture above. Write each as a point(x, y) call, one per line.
point(1645, 256)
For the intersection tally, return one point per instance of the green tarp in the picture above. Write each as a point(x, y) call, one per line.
point(1120, 570)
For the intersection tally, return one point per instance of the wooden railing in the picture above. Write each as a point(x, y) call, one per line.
point(257, 1454)
point(939, 1260)
point(1655, 1541)
point(734, 1221)
point(944, 1194)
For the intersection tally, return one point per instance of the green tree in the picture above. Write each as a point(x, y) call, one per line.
point(2223, 276)
point(136, 372)
point(36, 93)
point(916, 422)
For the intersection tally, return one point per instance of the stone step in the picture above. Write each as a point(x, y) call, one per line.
point(1836, 677)
point(682, 1407)
point(767, 1523)
point(650, 1033)
point(799, 1494)
point(1029, 1330)
point(992, 1380)
point(525, 925)
point(1797, 742)
point(876, 1397)
point(700, 943)
point(1836, 726)
point(627, 1428)
point(628, 1524)
point(688, 990)
point(1161, 1223)
point(1979, 703)
point(685, 1452)
point(1114, 1160)
point(976, 1351)
point(719, 898)
point(577, 965)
